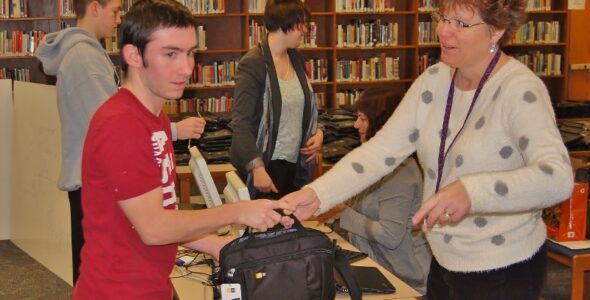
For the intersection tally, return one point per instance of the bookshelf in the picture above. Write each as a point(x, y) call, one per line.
point(342, 62)
point(542, 44)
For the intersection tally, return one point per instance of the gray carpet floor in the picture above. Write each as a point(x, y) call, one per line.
point(23, 278)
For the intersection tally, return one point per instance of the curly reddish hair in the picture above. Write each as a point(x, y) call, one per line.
point(508, 15)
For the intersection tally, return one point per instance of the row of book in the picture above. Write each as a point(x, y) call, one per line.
point(19, 74)
point(427, 33)
point(317, 69)
point(427, 5)
point(19, 42)
point(66, 7)
point(256, 32)
point(205, 6)
point(426, 60)
point(365, 5)
point(538, 5)
point(14, 8)
point(543, 64)
point(537, 32)
point(376, 68)
point(320, 98)
point(311, 36)
point(368, 34)
point(19, 8)
point(197, 105)
point(214, 104)
point(111, 44)
point(346, 98)
point(256, 6)
point(218, 73)
point(225, 103)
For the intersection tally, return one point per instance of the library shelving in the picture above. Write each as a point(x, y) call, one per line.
point(349, 47)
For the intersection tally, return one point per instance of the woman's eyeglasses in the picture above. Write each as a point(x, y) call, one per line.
point(453, 23)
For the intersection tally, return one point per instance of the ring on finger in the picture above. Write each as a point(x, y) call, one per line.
point(447, 216)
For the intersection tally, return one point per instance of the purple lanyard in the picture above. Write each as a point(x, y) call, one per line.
point(442, 155)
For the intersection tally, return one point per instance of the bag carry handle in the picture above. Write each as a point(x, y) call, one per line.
point(343, 268)
point(296, 224)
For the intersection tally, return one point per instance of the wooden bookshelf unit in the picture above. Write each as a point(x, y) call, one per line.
point(415, 46)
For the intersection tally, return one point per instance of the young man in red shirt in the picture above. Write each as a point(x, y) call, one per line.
point(131, 223)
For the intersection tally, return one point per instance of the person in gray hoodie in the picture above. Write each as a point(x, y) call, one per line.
point(86, 78)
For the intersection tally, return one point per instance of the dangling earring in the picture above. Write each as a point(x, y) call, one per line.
point(493, 48)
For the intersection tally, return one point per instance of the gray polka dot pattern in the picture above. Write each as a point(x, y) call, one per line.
point(448, 238)
point(480, 123)
point(501, 188)
point(433, 70)
point(523, 143)
point(529, 97)
point(506, 152)
point(390, 161)
point(427, 97)
point(497, 93)
point(498, 240)
point(358, 168)
point(431, 174)
point(546, 169)
point(414, 136)
point(480, 222)
point(459, 160)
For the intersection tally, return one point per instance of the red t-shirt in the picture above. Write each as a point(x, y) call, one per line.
point(127, 152)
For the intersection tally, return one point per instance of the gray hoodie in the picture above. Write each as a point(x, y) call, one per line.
point(85, 80)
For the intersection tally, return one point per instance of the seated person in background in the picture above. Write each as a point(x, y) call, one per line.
point(379, 219)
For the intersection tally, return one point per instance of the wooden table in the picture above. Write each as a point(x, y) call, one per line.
point(192, 289)
point(185, 178)
point(578, 261)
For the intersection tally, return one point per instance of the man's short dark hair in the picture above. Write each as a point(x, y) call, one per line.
point(285, 15)
point(80, 6)
point(147, 16)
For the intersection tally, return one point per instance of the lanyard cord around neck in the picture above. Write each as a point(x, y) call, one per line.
point(442, 154)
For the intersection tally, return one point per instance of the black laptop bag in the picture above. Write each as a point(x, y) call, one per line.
point(286, 264)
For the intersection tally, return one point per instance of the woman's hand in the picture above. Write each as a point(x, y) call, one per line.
point(313, 146)
point(305, 201)
point(450, 205)
point(262, 181)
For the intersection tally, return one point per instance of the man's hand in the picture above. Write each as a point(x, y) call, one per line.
point(313, 146)
point(450, 205)
point(261, 214)
point(305, 202)
point(190, 128)
point(262, 181)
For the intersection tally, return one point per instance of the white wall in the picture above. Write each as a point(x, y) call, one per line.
point(5, 156)
point(40, 219)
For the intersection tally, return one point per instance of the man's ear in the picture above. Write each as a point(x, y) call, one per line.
point(132, 56)
point(92, 8)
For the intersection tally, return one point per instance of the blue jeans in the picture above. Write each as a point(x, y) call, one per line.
point(520, 281)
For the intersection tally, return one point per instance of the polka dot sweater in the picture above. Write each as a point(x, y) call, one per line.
point(509, 156)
